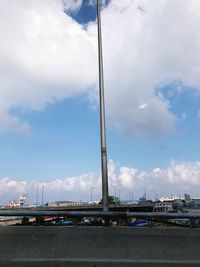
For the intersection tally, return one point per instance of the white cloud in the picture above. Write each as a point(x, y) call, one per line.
point(185, 173)
point(183, 116)
point(143, 50)
point(112, 173)
point(142, 105)
point(71, 188)
point(72, 5)
point(183, 177)
point(46, 56)
point(126, 177)
point(13, 123)
point(94, 2)
point(91, 2)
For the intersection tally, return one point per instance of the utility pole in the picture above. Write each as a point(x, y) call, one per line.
point(119, 192)
point(37, 196)
point(102, 115)
point(115, 194)
point(92, 188)
point(131, 197)
point(42, 195)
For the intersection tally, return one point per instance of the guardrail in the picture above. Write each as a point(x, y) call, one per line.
point(103, 214)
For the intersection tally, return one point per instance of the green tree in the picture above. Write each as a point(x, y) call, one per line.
point(111, 200)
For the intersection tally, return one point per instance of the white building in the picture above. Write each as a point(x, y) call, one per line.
point(22, 200)
point(163, 206)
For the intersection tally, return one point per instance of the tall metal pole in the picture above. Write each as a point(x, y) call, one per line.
point(102, 115)
point(42, 195)
point(37, 196)
point(92, 188)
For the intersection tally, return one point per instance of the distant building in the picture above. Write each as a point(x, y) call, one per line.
point(169, 198)
point(187, 197)
point(95, 202)
point(12, 204)
point(22, 200)
point(163, 206)
point(16, 204)
point(196, 198)
point(142, 200)
point(64, 203)
point(196, 202)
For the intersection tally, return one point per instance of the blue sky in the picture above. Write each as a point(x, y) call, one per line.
point(49, 116)
point(65, 141)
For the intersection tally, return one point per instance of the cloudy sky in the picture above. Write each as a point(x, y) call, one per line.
point(49, 118)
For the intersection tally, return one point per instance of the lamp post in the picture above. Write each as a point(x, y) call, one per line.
point(119, 192)
point(131, 197)
point(115, 194)
point(37, 196)
point(154, 198)
point(145, 194)
point(92, 188)
point(104, 166)
point(42, 195)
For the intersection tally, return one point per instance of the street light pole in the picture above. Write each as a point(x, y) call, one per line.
point(119, 191)
point(42, 195)
point(154, 199)
point(37, 196)
point(115, 194)
point(102, 115)
point(92, 188)
point(145, 194)
point(131, 197)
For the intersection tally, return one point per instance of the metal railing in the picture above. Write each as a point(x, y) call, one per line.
point(103, 214)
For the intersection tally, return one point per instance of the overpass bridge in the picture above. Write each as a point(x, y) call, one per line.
point(112, 207)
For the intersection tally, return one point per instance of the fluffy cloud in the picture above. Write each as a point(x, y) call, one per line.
point(70, 188)
point(177, 178)
point(94, 2)
point(46, 56)
point(146, 46)
point(72, 5)
point(126, 177)
point(185, 173)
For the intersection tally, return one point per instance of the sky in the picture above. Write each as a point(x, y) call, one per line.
point(49, 112)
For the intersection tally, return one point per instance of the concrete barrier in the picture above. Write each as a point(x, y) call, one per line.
point(98, 246)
